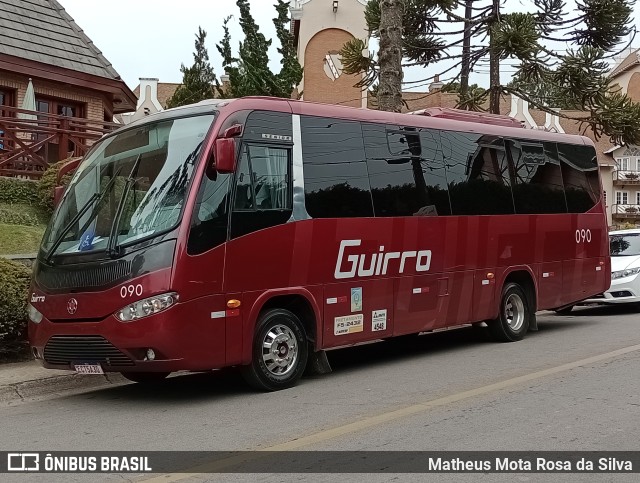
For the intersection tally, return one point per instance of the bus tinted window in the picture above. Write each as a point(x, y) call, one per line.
point(336, 181)
point(210, 215)
point(395, 169)
point(477, 174)
point(538, 184)
point(580, 176)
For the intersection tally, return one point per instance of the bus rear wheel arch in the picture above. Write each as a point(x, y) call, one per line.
point(280, 351)
point(515, 314)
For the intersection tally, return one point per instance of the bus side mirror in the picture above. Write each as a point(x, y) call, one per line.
point(58, 191)
point(225, 155)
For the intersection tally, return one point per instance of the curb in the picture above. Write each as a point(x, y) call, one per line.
point(57, 385)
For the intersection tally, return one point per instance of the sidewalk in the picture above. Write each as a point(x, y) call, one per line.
point(24, 380)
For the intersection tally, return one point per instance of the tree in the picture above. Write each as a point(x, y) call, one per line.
point(198, 81)
point(488, 34)
point(249, 73)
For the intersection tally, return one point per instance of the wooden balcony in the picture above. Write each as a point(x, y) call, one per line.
point(629, 178)
point(625, 212)
point(29, 145)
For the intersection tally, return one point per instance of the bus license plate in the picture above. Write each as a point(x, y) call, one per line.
point(88, 369)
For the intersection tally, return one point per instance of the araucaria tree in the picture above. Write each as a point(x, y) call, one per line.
point(249, 72)
point(199, 80)
point(560, 54)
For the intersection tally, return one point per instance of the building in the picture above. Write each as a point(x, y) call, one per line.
point(320, 29)
point(152, 97)
point(71, 78)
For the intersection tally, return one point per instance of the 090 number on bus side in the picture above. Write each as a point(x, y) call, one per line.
point(583, 236)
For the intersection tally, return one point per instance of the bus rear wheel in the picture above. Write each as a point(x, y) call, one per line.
point(145, 377)
point(515, 315)
point(279, 353)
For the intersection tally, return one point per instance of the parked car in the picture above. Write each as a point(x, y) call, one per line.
point(625, 271)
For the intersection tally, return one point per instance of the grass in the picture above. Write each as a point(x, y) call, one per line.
point(20, 239)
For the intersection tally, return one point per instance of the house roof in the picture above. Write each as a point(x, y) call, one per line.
point(42, 31)
point(628, 62)
point(39, 39)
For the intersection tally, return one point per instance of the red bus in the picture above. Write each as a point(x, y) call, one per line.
point(261, 232)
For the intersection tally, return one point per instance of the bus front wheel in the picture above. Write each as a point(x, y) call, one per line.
point(515, 315)
point(280, 351)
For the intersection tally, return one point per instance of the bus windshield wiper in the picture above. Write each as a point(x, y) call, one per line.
point(112, 244)
point(82, 211)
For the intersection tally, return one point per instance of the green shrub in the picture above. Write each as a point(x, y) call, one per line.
point(16, 217)
point(48, 182)
point(16, 190)
point(14, 288)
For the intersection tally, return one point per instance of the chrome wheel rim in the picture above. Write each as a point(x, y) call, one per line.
point(514, 311)
point(279, 350)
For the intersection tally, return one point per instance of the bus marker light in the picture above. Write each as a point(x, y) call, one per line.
point(233, 313)
point(491, 275)
point(218, 315)
point(233, 303)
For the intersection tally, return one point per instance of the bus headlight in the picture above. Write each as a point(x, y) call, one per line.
point(625, 273)
point(34, 314)
point(146, 307)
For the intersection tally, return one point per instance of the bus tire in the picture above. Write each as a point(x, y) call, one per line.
point(280, 351)
point(145, 377)
point(514, 317)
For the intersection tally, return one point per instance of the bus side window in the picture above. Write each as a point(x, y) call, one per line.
point(336, 181)
point(580, 176)
point(263, 189)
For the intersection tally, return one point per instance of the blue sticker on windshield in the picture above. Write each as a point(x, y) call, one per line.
point(86, 240)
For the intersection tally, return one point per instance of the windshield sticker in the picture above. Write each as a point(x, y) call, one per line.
point(86, 240)
point(356, 299)
point(348, 324)
point(379, 320)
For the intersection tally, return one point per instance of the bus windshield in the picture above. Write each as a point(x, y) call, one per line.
point(132, 186)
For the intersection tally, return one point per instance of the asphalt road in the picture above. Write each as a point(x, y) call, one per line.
point(574, 385)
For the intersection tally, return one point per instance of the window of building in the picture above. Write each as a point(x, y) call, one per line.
point(622, 198)
point(336, 180)
point(623, 164)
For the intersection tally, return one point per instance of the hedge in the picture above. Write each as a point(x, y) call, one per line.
point(14, 288)
point(14, 217)
point(16, 190)
point(47, 184)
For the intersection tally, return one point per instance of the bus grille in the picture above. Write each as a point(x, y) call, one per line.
point(61, 278)
point(66, 349)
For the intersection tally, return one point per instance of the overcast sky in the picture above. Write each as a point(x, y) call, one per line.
point(151, 38)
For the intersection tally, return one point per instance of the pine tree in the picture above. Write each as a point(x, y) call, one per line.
point(249, 73)
point(577, 77)
point(199, 80)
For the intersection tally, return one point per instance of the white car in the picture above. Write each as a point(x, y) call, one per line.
point(625, 271)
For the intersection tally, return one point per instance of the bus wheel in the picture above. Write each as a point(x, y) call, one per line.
point(515, 314)
point(280, 351)
point(145, 377)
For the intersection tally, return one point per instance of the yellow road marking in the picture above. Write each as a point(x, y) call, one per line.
point(372, 421)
